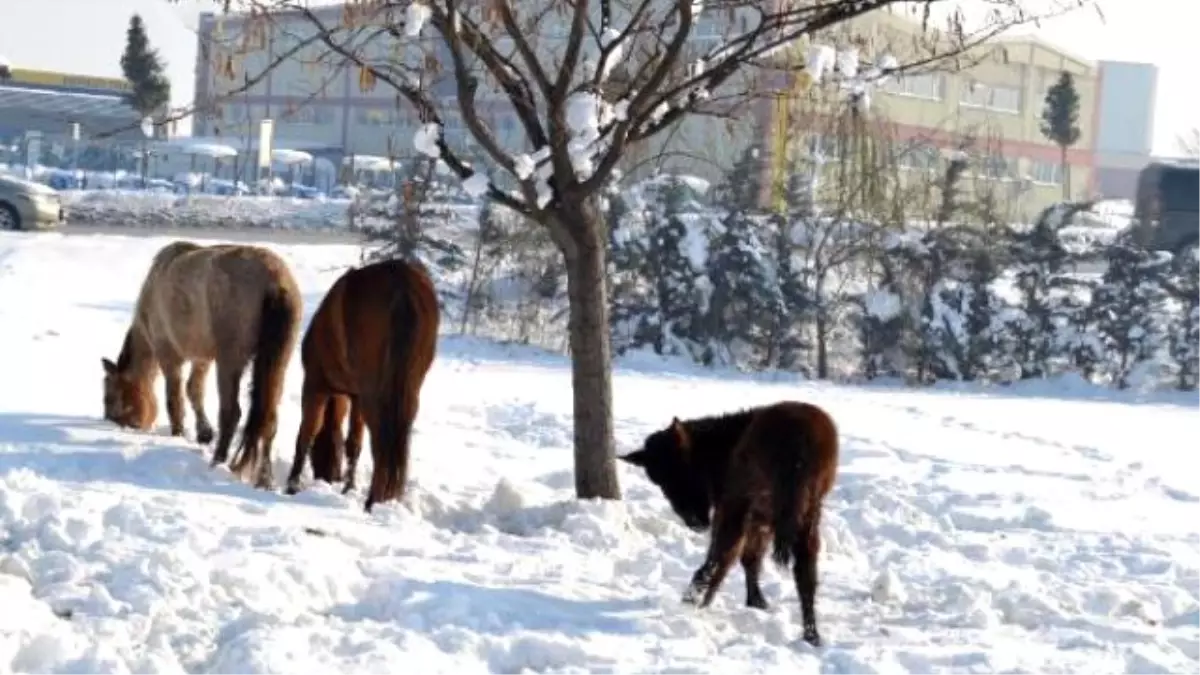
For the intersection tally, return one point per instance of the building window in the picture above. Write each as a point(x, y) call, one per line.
point(992, 97)
point(707, 30)
point(919, 157)
point(828, 147)
point(996, 167)
point(373, 117)
point(922, 85)
point(306, 114)
point(1049, 173)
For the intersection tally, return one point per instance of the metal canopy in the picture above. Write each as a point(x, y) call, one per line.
point(64, 106)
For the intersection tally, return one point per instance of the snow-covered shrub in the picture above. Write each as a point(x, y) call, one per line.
point(1047, 290)
point(1130, 310)
point(1183, 286)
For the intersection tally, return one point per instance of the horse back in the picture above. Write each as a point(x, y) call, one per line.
point(347, 341)
point(791, 434)
point(201, 299)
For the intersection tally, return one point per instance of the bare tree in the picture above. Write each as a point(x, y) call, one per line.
point(550, 62)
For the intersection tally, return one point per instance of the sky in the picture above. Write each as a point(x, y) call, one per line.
point(90, 35)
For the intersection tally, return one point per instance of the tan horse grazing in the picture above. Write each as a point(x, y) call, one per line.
point(372, 340)
point(225, 303)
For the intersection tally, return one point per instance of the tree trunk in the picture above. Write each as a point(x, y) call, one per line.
point(1066, 174)
point(591, 352)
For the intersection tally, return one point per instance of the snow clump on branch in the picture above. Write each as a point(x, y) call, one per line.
point(425, 140)
point(415, 17)
point(852, 78)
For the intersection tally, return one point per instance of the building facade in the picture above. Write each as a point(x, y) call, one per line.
point(322, 105)
point(991, 109)
point(1125, 136)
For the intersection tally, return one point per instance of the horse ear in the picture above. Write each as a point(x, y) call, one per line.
point(681, 435)
point(636, 458)
point(109, 367)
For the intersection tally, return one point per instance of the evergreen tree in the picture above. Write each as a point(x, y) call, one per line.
point(422, 217)
point(1041, 266)
point(1060, 121)
point(676, 261)
point(1184, 288)
point(144, 68)
point(746, 297)
point(1130, 310)
point(742, 186)
point(630, 294)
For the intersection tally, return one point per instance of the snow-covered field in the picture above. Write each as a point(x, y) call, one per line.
point(1015, 530)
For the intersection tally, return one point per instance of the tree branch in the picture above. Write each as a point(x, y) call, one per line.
point(428, 112)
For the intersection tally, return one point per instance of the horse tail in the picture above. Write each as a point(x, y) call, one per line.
point(802, 479)
point(279, 320)
point(785, 496)
point(413, 334)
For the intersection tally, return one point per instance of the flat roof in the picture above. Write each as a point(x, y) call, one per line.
point(65, 104)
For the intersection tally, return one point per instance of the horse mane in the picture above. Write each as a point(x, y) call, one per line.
point(718, 433)
point(126, 355)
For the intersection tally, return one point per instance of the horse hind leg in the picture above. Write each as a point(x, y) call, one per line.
point(804, 569)
point(195, 393)
point(328, 450)
point(229, 381)
point(753, 552)
point(266, 468)
point(313, 403)
point(354, 441)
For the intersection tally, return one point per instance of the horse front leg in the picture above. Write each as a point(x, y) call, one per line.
point(172, 371)
point(724, 549)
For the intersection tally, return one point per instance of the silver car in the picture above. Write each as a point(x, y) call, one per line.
point(25, 205)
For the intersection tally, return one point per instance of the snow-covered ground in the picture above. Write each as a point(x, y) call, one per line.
point(1045, 530)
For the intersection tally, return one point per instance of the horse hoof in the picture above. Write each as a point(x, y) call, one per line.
point(348, 488)
point(204, 436)
point(291, 489)
point(812, 638)
point(758, 603)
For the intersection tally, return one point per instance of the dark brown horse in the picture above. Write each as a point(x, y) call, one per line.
point(754, 476)
point(226, 303)
point(370, 343)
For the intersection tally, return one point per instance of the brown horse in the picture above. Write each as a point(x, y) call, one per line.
point(225, 303)
point(370, 343)
point(760, 473)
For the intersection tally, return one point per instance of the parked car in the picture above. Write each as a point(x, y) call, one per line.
point(26, 205)
point(1167, 208)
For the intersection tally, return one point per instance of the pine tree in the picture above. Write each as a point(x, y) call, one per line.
point(741, 188)
point(1041, 266)
point(1130, 309)
point(144, 68)
point(746, 296)
point(630, 294)
point(1060, 121)
point(676, 262)
point(1184, 288)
